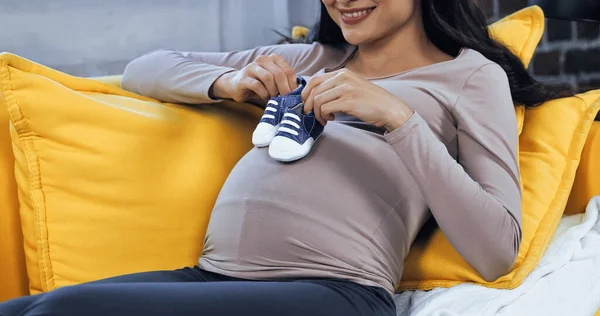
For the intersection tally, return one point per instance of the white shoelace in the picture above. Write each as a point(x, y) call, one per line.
point(270, 109)
point(290, 123)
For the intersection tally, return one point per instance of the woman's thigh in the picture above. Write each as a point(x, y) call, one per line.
point(213, 298)
point(187, 274)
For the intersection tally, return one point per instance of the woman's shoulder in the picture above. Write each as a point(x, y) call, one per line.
point(455, 73)
point(483, 82)
point(471, 74)
point(474, 62)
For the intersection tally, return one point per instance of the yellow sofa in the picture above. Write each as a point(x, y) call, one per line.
point(13, 272)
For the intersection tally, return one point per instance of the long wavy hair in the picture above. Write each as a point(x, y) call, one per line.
point(452, 25)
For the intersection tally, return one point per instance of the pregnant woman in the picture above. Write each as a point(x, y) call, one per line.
point(418, 106)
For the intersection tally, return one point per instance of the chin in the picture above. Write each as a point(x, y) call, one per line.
point(355, 39)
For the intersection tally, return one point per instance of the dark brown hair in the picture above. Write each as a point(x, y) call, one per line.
point(452, 25)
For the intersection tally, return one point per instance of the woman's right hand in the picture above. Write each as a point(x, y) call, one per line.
point(266, 77)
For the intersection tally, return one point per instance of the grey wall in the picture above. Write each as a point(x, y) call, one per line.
point(304, 12)
point(99, 37)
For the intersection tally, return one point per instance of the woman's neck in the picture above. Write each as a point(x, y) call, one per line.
point(407, 49)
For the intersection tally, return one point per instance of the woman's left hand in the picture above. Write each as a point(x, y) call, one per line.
point(344, 91)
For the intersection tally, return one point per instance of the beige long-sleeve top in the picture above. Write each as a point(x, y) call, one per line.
point(352, 208)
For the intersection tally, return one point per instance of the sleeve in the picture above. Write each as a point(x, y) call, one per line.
point(476, 200)
point(186, 77)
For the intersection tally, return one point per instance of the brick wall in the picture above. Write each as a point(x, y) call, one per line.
point(569, 52)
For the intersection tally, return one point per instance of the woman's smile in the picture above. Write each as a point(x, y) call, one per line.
point(355, 16)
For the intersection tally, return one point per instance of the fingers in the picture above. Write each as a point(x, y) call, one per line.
point(265, 77)
point(281, 82)
point(329, 109)
point(324, 111)
point(288, 72)
point(316, 86)
point(257, 87)
point(275, 74)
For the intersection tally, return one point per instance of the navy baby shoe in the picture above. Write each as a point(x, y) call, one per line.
point(269, 123)
point(296, 134)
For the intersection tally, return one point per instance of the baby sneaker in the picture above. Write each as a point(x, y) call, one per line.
point(296, 134)
point(270, 121)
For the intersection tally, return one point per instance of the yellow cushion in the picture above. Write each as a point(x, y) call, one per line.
point(111, 182)
point(549, 153)
point(587, 184)
point(12, 271)
point(111, 80)
point(521, 32)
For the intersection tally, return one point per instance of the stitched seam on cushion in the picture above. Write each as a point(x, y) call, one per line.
point(18, 120)
point(535, 25)
point(25, 133)
point(82, 84)
point(39, 213)
point(40, 210)
point(522, 52)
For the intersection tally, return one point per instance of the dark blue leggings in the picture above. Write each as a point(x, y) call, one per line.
point(192, 291)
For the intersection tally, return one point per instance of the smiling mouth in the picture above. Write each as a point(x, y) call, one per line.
point(356, 16)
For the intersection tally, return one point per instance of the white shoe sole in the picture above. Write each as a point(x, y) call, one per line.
point(286, 150)
point(264, 134)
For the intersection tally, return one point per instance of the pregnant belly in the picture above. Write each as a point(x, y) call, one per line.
point(260, 235)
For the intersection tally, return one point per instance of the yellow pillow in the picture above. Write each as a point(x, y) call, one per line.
point(550, 149)
point(12, 272)
point(587, 184)
point(111, 182)
point(551, 139)
point(521, 32)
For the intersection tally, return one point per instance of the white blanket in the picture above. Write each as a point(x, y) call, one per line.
point(565, 282)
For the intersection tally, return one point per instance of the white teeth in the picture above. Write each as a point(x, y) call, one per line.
point(356, 14)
